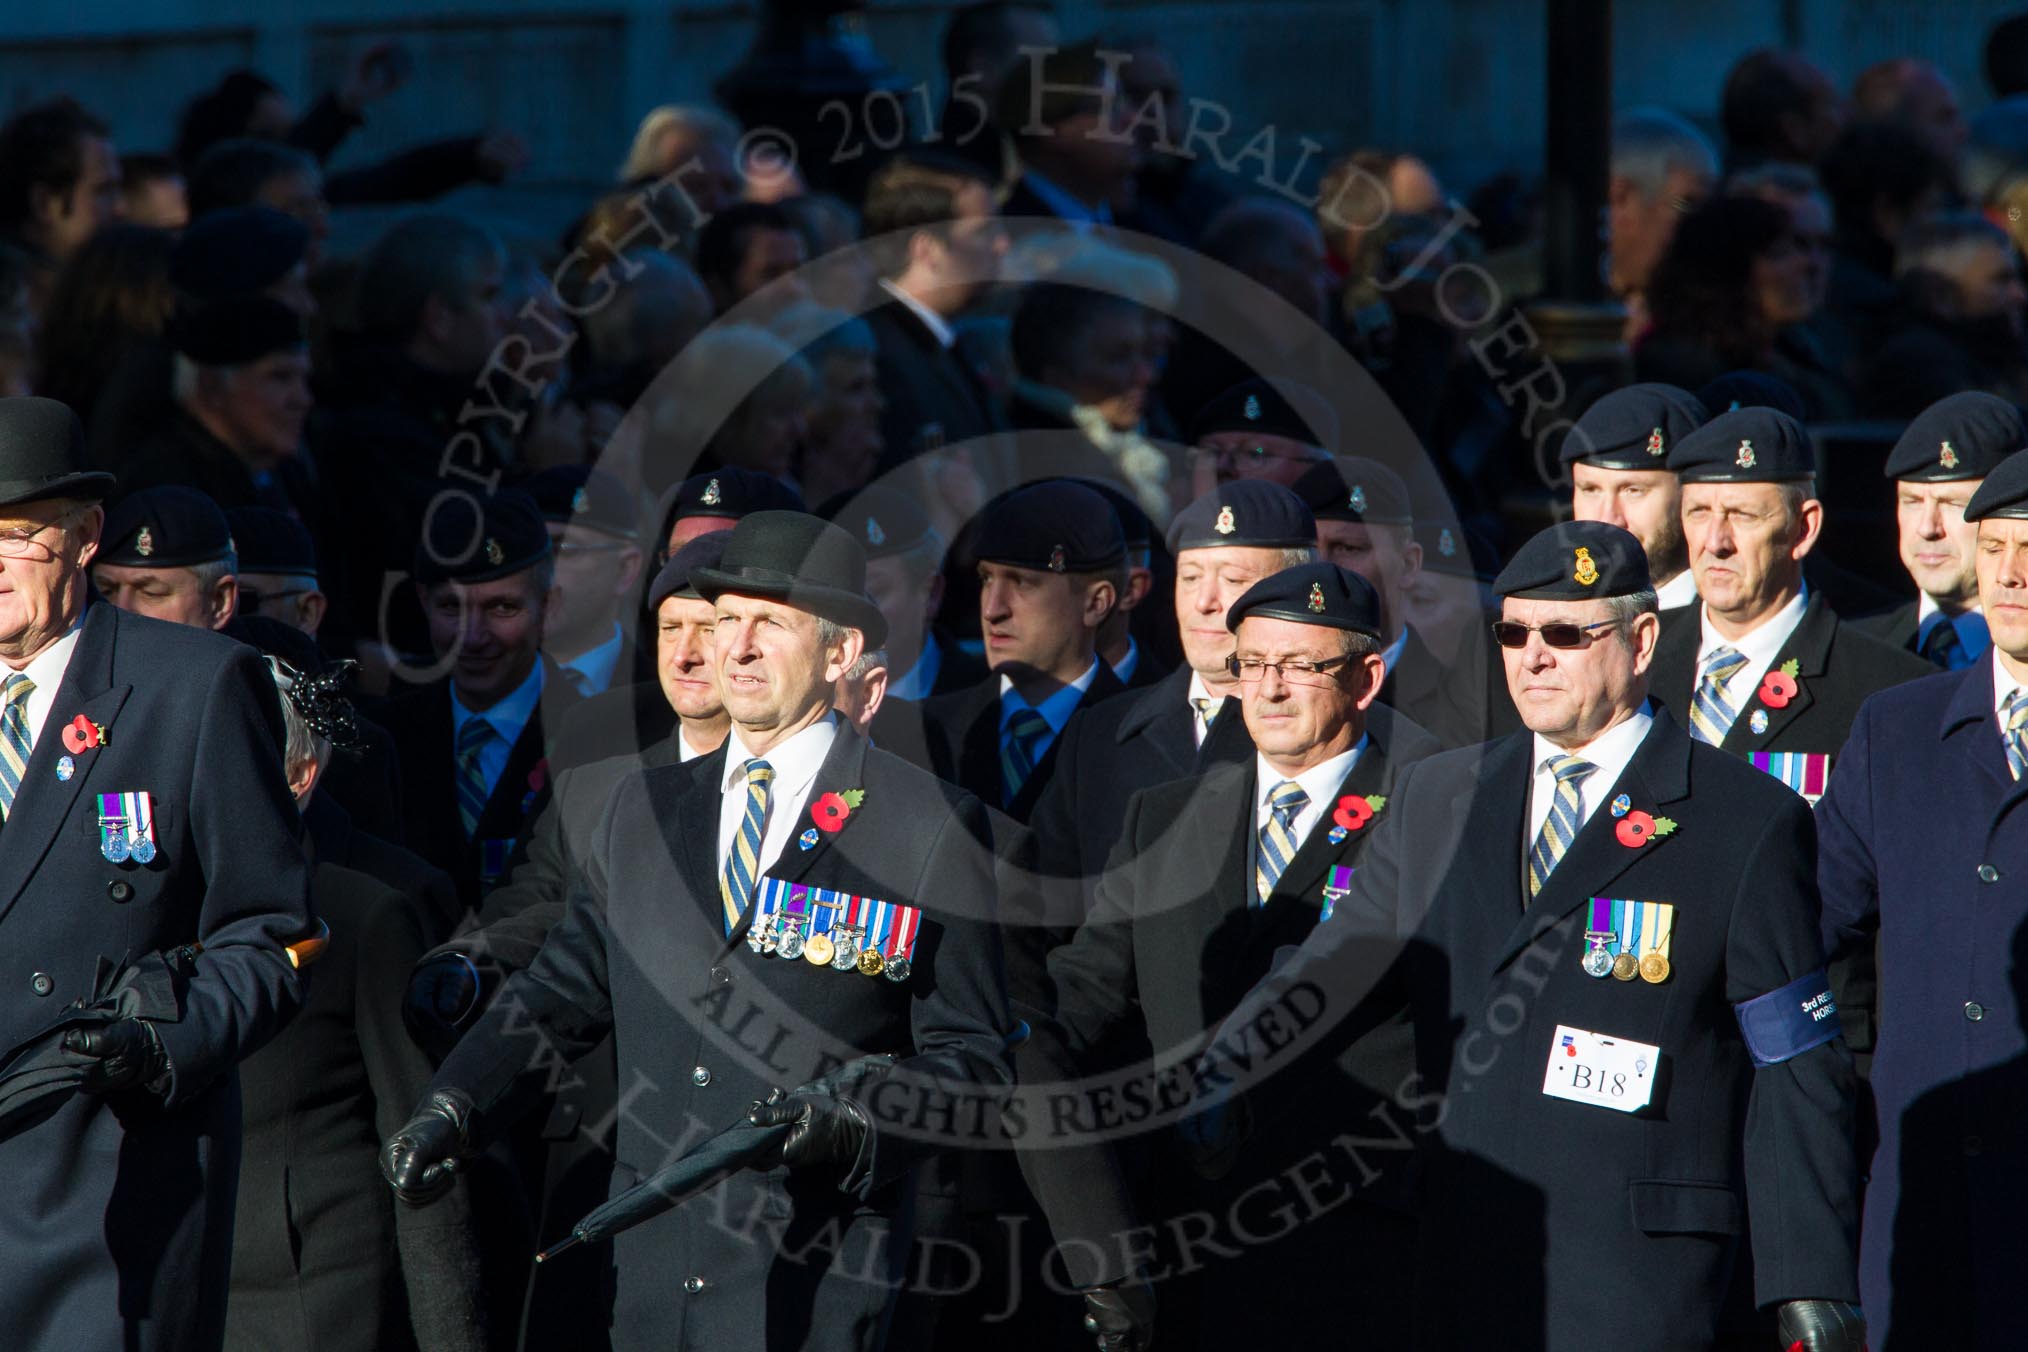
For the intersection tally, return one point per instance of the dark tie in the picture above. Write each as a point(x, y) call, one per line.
point(1018, 753)
point(1943, 647)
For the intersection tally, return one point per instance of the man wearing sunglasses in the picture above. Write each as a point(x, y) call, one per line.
point(1219, 870)
point(1607, 936)
point(1617, 457)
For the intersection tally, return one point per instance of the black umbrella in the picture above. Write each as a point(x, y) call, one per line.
point(39, 1075)
point(715, 1160)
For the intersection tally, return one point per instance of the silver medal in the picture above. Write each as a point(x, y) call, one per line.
point(790, 944)
point(846, 937)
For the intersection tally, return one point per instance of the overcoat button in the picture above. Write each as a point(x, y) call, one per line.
point(1988, 874)
point(119, 889)
point(41, 984)
point(700, 1077)
point(1974, 1010)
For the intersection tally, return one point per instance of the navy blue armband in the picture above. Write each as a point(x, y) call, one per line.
point(1788, 1022)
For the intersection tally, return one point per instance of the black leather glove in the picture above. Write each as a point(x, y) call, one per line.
point(1122, 1315)
point(825, 1130)
point(421, 1160)
point(129, 1055)
point(1821, 1326)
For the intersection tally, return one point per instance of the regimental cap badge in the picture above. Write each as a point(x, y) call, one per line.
point(1745, 457)
point(711, 496)
point(1252, 408)
point(1224, 524)
point(1655, 442)
point(494, 554)
point(1056, 563)
point(1587, 571)
point(1447, 544)
point(874, 534)
point(579, 501)
point(144, 543)
point(1947, 457)
point(1317, 597)
point(1358, 499)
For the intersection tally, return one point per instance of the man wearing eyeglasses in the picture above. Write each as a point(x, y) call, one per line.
point(1606, 935)
point(146, 817)
point(1216, 872)
point(1273, 430)
point(592, 529)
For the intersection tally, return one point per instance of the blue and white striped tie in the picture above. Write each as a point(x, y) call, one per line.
point(472, 788)
point(2016, 738)
point(1711, 716)
point(14, 743)
point(742, 861)
point(1278, 836)
point(1559, 828)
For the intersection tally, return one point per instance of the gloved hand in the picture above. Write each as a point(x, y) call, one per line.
point(129, 1054)
point(421, 1160)
point(1821, 1326)
point(1122, 1314)
point(826, 1130)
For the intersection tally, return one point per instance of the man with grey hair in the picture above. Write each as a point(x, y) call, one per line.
point(1965, 323)
point(167, 552)
point(696, 144)
point(1662, 167)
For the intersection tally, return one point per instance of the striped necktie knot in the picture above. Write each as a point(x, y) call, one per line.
point(742, 862)
point(1278, 844)
point(473, 791)
point(1019, 752)
point(2015, 735)
point(1711, 713)
point(14, 740)
point(1566, 815)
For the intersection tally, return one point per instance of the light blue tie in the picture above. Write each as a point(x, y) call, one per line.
point(1286, 802)
point(472, 789)
point(1559, 828)
point(1711, 714)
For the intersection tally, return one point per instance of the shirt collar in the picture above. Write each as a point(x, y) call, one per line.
point(596, 665)
point(1391, 654)
point(795, 761)
point(1766, 638)
point(1609, 751)
point(1124, 668)
point(938, 326)
point(922, 677)
point(1973, 636)
point(2004, 685)
point(1320, 781)
point(1057, 709)
point(1677, 592)
point(508, 716)
point(47, 667)
point(1061, 203)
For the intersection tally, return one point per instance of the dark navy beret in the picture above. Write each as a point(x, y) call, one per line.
point(700, 551)
point(1353, 488)
point(471, 538)
point(1751, 389)
point(237, 251)
point(2005, 491)
point(1633, 428)
point(1271, 408)
point(169, 526)
point(1746, 446)
point(1058, 525)
point(1576, 561)
point(1318, 593)
point(586, 496)
point(886, 520)
point(234, 330)
point(1456, 551)
point(1961, 436)
point(1252, 513)
point(733, 492)
point(268, 541)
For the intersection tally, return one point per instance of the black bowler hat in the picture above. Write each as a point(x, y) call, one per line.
point(234, 330)
point(1576, 561)
point(2005, 491)
point(1318, 593)
point(1246, 513)
point(885, 520)
point(268, 541)
point(581, 495)
point(732, 492)
point(700, 551)
point(1058, 526)
point(473, 538)
point(1746, 446)
point(1271, 408)
point(1961, 436)
point(1353, 488)
point(1736, 390)
point(237, 251)
point(42, 453)
point(801, 559)
point(169, 526)
point(1633, 428)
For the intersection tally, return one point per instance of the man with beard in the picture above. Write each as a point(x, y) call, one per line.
point(1617, 455)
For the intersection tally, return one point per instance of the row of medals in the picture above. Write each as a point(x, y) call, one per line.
point(118, 848)
point(786, 935)
point(1650, 967)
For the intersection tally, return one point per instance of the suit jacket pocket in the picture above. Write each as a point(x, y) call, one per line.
point(1670, 1207)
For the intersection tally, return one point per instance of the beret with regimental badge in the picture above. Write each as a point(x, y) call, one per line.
point(471, 538)
point(1246, 513)
point(42, 453)
point(1633, 428)
point(1269, 408)
point(1353, 488)
point(1962, 436)
point(268, 541)
point(168, 526)
point(1318, 593)
point(702, 551)
point(886, 520)
point(2005, 491)
point(1058, 525)
point(1746, 446)
point(583, 496)
point(1576, 561)
point(732, 492)
point(801, 560)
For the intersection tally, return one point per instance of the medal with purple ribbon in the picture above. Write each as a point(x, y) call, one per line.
point(1599, 935)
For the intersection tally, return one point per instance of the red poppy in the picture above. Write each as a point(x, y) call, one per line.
point(81, 734)
point(1777, 688)
point(539, 775)
point(1634, 829)
point(1352, 813)
point(829, 812)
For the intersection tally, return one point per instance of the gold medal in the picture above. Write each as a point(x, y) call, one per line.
point(817, 950)
point(1626, 967)
point(1654, 968)
point(870, 962)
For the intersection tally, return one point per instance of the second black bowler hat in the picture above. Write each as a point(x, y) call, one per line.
point(1576, 561)
point(801, 559)
point(42, 453)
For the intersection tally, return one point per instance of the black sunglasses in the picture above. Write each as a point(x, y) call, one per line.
point(1560, 634)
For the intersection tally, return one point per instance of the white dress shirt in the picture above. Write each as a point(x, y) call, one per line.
point(47, 671)
point(1758, 646)
point(795, 763)
point(1678, 592)
point(2004, 685)
point(507, 718)
point(1320, 781)
point(1609, 751)
point(939, 327)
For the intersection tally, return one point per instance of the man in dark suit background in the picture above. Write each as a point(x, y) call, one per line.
point(1063, 110)
point(119, 1226)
